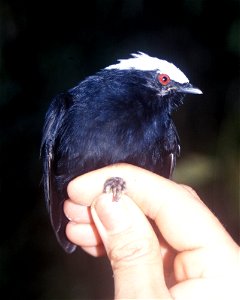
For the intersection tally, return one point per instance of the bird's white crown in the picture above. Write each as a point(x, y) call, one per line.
point(144, 62)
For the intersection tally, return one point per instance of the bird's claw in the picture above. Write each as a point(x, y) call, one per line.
point(116, 186)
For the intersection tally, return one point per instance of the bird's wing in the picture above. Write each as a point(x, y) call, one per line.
point(54, 201)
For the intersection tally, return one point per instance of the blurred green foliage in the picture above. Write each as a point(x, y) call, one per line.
point(47, 47)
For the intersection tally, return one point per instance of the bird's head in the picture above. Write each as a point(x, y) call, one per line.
point(160, 76)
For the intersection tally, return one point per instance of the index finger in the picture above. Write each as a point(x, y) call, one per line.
point(182, 218)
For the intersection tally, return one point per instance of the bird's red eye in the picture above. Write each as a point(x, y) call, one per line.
point(164, 79)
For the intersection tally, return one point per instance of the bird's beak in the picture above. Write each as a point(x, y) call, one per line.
point(189, 89)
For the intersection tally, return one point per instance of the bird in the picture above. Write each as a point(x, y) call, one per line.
point(122, 114)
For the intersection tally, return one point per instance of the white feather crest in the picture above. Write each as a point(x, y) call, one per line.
point(144, 62)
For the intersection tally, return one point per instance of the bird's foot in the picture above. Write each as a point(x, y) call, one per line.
point(116, 186)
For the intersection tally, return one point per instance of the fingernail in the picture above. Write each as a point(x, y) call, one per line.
point(112, 214)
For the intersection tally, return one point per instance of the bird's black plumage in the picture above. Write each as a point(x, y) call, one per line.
point(117, 115)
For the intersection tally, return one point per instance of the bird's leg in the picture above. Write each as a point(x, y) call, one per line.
point(116, 186)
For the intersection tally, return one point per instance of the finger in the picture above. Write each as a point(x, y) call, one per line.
point(96, 251)
point(81, 230)
point(83, 235)
point(76, 212)
point(132, 248)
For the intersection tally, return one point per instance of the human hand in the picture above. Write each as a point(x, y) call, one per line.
point(188, 256)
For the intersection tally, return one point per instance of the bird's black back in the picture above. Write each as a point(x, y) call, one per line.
point(111, 117)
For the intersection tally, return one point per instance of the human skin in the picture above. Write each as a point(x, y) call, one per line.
point(161, 239)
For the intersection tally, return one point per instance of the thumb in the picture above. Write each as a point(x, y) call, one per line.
point(132, 248)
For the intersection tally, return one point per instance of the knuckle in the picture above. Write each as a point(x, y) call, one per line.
point(130, 253)
point(191, 191)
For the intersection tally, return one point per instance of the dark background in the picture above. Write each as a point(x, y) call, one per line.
point(48, 47)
